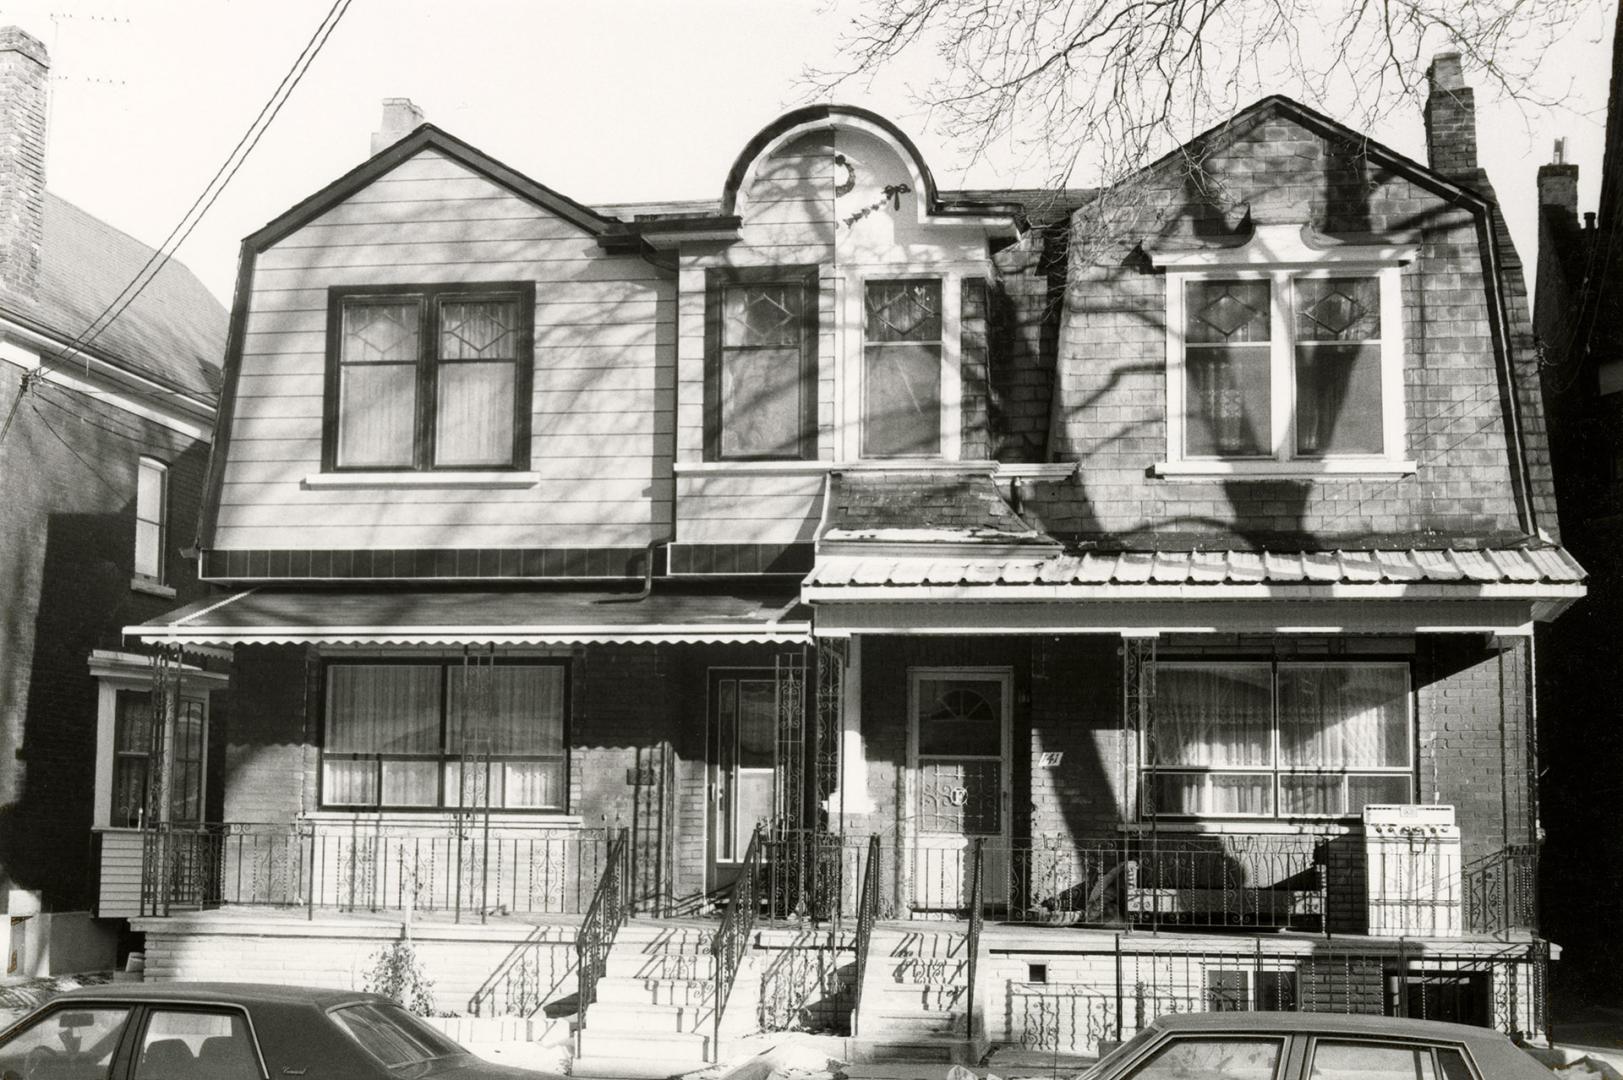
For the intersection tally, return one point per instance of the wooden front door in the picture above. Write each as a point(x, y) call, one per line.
point(958, 749)
point(743, 728)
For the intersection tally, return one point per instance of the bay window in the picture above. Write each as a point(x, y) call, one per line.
point(423, 736)
point(1278, 740)
point(433, 377)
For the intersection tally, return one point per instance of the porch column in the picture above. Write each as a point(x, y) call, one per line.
point(851, 799)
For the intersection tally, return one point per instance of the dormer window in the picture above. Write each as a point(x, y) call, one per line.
point(761, 364)
point(1285, 358)
point(901, 368)
point(430, 377)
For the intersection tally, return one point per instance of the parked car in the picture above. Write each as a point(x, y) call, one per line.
point(232, 1031)
point(1313, 1046)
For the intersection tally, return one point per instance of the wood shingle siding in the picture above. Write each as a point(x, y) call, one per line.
point(603, 409)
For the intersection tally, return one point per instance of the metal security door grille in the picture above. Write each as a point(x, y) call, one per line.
point(789, 673)
point(960, 722)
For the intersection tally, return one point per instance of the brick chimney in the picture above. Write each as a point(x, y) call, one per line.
point(25, 69)
point(400, 118)
point(1450, 118)
point(1558, 185)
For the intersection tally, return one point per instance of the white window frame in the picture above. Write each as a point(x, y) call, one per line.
point(1276, 768)
point(849, 390)
point(1281, 254)
point(145, 467)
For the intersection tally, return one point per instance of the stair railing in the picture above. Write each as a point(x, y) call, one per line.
point(867, 914)
point(732, 937)
point(973, 941)
point(608, 912)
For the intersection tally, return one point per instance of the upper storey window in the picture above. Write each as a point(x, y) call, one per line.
point(761, 364)
point(429, 377)
point(901, 368)
point(1280, 369)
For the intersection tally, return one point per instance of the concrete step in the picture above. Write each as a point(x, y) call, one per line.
point(623, 1068)
point(684, 966)
point(922, 971)
point(653, 938)
point(636, 1018)
point(897, 1049)
point(655, 991)
point(681, 1051)
point(909, 1024)
point(937, 944)
point(914, 997)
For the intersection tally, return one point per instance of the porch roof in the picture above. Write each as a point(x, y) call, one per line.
point(528, 616)
point(1529, 583)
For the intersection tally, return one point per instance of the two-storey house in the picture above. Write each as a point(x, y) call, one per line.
point(1069, 606)
point(106, 407)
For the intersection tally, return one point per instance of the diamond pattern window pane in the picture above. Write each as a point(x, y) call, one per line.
point(904, 311)
point(1338, 309)
point(761, 316)
point(478, 330)
point(1226, 312)
point(379, 332)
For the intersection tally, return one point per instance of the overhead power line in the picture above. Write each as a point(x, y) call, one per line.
point(193, 215)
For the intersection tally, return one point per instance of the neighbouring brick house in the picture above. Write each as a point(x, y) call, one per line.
point(1580, 333)
point(1159, 564)
point(101, 475)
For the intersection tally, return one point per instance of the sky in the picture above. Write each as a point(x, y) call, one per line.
point(629, 100)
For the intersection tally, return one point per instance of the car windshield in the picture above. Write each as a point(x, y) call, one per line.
point(393, 1035)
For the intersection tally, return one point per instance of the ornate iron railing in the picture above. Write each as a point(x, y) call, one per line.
point(867, 915)
point(977, 915)
point(732, 938)
point(609, 910)
point(1501, 891)
point(368, 866)
point(527, 978)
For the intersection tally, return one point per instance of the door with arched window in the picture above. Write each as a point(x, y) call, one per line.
point(958, 750)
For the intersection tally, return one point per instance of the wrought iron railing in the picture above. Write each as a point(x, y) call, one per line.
point(1501, 891)
point(732, 938)
point(608, 911)
point(810, 874)
point(867, 915)
point(977, 915)
point(369, 866)
point(527, 978)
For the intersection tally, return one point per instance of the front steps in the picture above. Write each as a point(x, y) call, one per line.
point(653, 1016)
point(915, 997)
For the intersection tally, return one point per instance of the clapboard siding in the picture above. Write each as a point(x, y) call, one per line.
point(748, 507)
point(119, 887)
point(604, 389)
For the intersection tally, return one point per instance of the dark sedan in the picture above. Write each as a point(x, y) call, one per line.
point(231, 1031)
point(1314, 1046)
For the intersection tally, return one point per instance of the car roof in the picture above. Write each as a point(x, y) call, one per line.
point(228, 993)
point(1335, 1023)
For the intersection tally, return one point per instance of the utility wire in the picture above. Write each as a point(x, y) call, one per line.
point(194, 214)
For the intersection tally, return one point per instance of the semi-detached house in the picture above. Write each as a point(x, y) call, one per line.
point(939, 616)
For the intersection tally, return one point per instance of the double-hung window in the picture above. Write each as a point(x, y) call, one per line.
point(133, 726)
point(761, 364)
point(1287, 739)
point(420, 736)
point(1296, 366)
point(902, 348)
point(433, 377)
point(151, 519)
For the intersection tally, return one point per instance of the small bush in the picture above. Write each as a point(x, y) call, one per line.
point(397, 973)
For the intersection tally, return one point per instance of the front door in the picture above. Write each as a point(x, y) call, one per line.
point(742, 743)
point(958, 750)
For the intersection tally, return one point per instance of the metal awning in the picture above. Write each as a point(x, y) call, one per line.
point(531, 616)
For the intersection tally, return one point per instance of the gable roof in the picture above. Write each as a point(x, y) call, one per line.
point(173, 332)
point(429, 137)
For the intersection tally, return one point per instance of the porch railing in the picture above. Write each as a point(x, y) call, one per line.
point(368, 866)
point(1501, 890)
point(732, 938)
point(610, 907)
point(867, 915)
point(977, 915)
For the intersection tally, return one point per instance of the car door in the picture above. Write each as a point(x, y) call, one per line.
point(195, 1042)
point(67, 1039)
point(1347, 1057)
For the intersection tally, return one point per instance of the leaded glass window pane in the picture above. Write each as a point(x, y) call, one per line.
point(380, 332)
point(762, 368)
point(478, 330)
point(902, 369)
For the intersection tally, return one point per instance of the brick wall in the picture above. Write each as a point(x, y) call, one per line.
point(1111, 391)
point(67, 479)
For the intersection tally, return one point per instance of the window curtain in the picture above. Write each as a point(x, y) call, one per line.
point(377, 384)
point(474, 405)
point(388, 709)
point(1343, 717)
point(1212, 715)
point(500, 710)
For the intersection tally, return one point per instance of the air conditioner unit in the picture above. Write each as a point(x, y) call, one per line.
point(1412, 870)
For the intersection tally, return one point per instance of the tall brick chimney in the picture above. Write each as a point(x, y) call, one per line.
point(25, 69)
point(400, 118)
point(1558, 184)
point(1450, 118)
